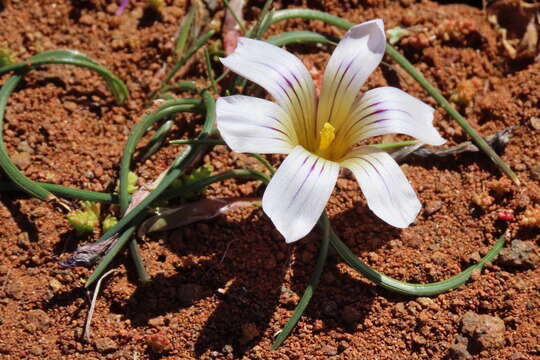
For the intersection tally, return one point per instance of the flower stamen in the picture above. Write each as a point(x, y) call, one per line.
point(328, 134)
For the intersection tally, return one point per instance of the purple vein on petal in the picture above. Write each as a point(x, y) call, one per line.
point(275, 129)
point(304, 181)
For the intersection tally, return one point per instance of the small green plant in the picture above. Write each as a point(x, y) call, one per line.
point(108, 222)
point(132, 183)
point(85, 219)
point(203, 172)
point(7, 56)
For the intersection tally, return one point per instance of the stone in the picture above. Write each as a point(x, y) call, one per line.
point(24, 147)
point(459, 352)
point(14, 289)
point(159, 343)
point(535, 123)
point(70, 106)
point(21, 159)
point(37, 320)
point(486, 331)
point(520, 254)
point(105, 345)
point(329, 350)
point(55, 285)
point(432, 207)
point(425, 302)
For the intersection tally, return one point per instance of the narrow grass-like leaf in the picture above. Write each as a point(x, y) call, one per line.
point(200, 42)
point(195, 141)
point(292, 37)
point(157, 140)
point(175, 170)
point(200, 184)
point(136, 134)
point(68, 57)
point(264, 162)
point(408, 288)
point(72, 57)
point(15, 175)
point(185, 28)
point(210, 71)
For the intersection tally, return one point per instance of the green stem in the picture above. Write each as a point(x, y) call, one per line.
point(157, 140)
point(15, 175)
point(203, 39)
point(415, 74)
point(111, 254)
point(312, 284)
point(196, 141)
point(210, 71)
point(408, 288)
point(263, 161)
point(293, 37)
point(197, 185)
point(136, 134)
point(135, 252)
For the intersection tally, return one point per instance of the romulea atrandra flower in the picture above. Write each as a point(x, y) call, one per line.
point(321, 135)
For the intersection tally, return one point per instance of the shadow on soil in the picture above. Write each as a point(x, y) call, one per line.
point(242, 277)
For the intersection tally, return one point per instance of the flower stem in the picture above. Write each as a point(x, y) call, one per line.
point(312, 284)
point(197, 141)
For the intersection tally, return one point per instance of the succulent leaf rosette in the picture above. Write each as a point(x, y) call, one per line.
point(321, 135)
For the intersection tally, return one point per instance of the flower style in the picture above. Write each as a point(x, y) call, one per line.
point(322, 136)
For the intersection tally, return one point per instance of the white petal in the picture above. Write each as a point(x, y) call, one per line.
point(388, 192)
point(283, 75)
point(298, 192)
point(249, 124)
point(389, 110)
point(354, 59)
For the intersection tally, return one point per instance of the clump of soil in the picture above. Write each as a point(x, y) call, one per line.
point(222, 289)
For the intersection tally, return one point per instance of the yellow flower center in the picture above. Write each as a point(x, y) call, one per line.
point(328, 134)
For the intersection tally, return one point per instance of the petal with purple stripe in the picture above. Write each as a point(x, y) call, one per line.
point(283, 75)
point(298, 192)
point(388, 192)
point(249, 124)
point(354, 59)
point(389, 110)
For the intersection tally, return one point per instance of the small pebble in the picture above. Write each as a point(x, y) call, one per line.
point(55, 285)
point(520, 254)
point(70, 106)
point(535, 123)
point(485, 330)
point(432, 207)
point(159, 343)
point(105, 345)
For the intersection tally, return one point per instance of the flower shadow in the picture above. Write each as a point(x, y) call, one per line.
point(235, 268)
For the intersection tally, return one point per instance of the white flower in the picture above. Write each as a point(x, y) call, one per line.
point(322, 136)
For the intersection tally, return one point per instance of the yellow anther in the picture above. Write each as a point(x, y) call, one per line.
point(328, 134)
